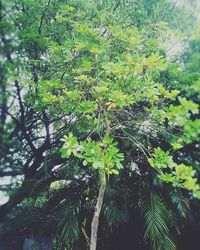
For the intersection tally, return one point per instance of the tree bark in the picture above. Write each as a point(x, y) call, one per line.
point(95, 220)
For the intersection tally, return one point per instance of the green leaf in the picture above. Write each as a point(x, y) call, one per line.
point(85, 163)
point(161, 159)
point(98, 164)
point(114, 171)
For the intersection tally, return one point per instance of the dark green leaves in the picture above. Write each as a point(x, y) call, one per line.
point(157, 219)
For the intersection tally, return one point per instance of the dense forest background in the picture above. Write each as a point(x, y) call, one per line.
point(99, 124)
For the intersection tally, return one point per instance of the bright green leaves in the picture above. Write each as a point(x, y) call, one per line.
point(155, 63)
point(156, 92)
point(103, 68)
point(48, 91)
point(168, 94)
point(102, 156)
point(64, 50)
point(184, 176)
point(71, 98)
point(120, 99)
point(125, 34)
point(161, 159)
point(117, 69)
point(178, 115)
point(53, 92)
point(191, 131)
point(92, 153)
point(112, 98)
point(64, 14)
point(179, 175)
point(79, 106)
point(82, 29)
point(101, 89)
point(67, 9)
point(56, 185)
point(70, 146)
point(168, 177)
point(189, 105)
point(111, 157)
point(184, 172)
point(110, 71)
point(87, 107)
point(107, 140)
point(73, 95)
point(49, 99)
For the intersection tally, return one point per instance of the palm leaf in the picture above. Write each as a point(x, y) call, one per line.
point(157, 218)
point(180, 202)
point(115, 207)
point(68, 229)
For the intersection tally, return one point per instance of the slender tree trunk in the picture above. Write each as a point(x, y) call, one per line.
point(95, 220)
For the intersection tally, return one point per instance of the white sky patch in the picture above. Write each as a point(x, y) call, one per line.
point(174, 45)
point(3, 197)
point(7, 181)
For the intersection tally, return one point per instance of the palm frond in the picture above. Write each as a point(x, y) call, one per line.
point(115, 207)
point(157, 218)
point(68, 229)
point(179, 201)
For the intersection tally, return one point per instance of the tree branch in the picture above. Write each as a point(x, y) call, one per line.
point(22, 122)
point(42, 17)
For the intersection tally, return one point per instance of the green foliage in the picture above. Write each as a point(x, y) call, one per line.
point(161, 159)
point(103, 156)
point(178, 115)
point(180, 175)
point(98, 72)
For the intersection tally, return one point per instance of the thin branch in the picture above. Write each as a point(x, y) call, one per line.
point(43, 16)
point(22, 122)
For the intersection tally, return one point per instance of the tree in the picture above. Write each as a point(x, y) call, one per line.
point(127, 110)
